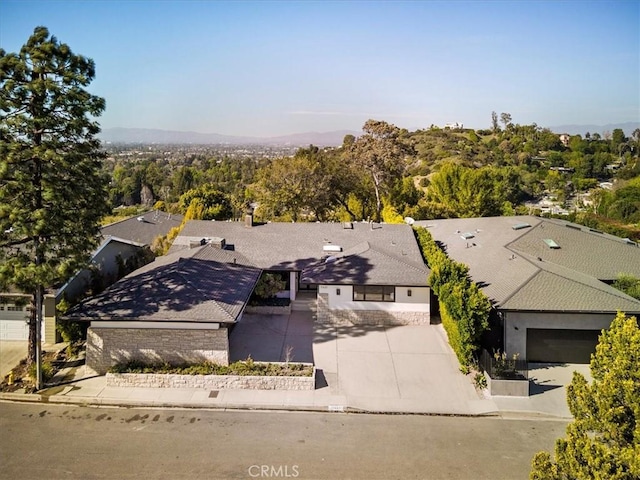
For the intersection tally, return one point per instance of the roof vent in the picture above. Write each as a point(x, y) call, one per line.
point(467, 235)
point(347, 225)
point(551, 243)
point(331, 248)
point(141, 219)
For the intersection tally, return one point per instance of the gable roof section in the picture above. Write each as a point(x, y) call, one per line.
point(596, 254)
point(153, 224)
point(364, 264)
point(368, 254)
point(518, 270)
point(190, 286)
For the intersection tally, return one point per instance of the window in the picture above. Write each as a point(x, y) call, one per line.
point(408, 292)
point(374, 293)
point(337, 291)
point(15, 308)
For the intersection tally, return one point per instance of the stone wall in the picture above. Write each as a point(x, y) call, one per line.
point(367, 317)
point(109, 346)
point(268, 310)
point(211, 382)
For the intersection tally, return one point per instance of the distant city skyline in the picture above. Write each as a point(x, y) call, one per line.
point(277, 68)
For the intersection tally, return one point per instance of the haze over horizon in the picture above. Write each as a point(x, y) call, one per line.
point(276, 68)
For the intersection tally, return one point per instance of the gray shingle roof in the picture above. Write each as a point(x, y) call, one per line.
point(189, 286)
point(368, 254)
point(504, 262)
point(152, 225)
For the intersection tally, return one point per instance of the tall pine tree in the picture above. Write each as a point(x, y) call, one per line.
point(52, 191)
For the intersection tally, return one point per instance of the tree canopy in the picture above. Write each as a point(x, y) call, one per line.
point(53, 191)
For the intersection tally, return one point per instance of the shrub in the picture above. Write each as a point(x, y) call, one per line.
point(46, 368)
point(464, 309)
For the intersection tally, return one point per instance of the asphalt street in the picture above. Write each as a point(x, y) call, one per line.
point(58, 441)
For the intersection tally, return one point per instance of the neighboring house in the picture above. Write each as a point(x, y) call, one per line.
point(123, 243)
point(143, 228)
point(15, 313)
point(179, 307)
point(549, 280)
point(453, 126)
point(564, 139)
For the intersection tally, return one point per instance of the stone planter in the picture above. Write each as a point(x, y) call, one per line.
point(211, 382)
point(517, 387)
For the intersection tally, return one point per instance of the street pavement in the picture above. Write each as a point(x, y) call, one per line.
point(56, 442)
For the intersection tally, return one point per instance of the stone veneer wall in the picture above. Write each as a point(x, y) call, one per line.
point(366, 317)
point(211, 382)
point(109, 346)
point(268, 310)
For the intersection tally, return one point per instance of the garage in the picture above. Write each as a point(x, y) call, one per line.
point(13, 322)
point(548, 345)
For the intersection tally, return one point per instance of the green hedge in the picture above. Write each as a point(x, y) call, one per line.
point(464, 309)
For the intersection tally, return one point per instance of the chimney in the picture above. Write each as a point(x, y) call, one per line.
point(248, 216)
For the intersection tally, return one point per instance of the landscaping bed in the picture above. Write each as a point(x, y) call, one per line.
point(239, 375)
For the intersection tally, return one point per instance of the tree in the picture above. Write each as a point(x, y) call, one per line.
point(52, 193)
point(206, 203)
point(603, 441)
point(505, 118)
point(380, 154)
point(494, 122)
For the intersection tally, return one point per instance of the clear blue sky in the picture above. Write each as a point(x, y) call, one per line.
point(270, 68)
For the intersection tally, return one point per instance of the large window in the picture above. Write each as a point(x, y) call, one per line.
point(374, 293)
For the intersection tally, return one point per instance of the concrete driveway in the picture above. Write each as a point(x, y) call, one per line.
point(11, 352)
point(403, 369)
point(547, 390)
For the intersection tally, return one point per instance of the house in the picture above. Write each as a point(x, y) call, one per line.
point(180, 307)
point(549, 280)
point(565, 138)
point(123, 242)
point(124, 247)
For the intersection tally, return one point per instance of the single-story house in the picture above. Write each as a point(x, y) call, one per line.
point(179, 307)
point(549, 280)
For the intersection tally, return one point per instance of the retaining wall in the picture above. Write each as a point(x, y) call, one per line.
point(211, 382)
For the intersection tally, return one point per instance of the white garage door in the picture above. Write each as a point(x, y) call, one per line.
point(13, 322)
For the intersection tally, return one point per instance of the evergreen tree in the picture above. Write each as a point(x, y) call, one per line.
point(603, 441)
point(52, 194)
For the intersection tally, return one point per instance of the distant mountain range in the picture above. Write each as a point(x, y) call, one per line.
point(147, 135)
point(325, 139)
point(627, 128)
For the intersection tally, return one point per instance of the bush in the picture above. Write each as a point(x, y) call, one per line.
point(46, 368)
point(242, 367)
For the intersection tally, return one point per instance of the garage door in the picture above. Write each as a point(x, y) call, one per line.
point(13, 322)
point(561, 346)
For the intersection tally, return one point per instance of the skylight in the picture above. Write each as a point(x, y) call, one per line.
point(467, 235)
point(520, 226)
point(551, 243)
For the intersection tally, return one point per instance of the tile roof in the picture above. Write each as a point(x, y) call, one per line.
point(518, 270)
point(188, 286)
point(365, 253)
point(152, 225)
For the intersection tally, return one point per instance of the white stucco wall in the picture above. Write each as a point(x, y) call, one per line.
point(516, 324)
point(417, 302)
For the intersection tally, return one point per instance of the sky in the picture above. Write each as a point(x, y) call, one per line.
point(265, 68)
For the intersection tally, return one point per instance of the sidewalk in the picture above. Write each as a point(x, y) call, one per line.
point(94, 391)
